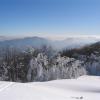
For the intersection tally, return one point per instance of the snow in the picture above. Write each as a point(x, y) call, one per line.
point(83, 88)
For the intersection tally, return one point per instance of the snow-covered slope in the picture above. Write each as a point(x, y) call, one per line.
point(83, 88)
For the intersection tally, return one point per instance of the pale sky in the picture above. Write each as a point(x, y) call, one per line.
point(49, 17)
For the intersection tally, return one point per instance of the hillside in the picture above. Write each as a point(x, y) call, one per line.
point(90, 55)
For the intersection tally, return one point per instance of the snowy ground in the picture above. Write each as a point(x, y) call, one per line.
point(83, 88)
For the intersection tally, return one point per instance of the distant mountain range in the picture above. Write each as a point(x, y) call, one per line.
point(37, 42)
point(3, 38)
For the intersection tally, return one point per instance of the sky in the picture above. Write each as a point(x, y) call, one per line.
point(49, 17)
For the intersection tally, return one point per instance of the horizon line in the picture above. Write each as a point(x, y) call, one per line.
point(53, 37)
